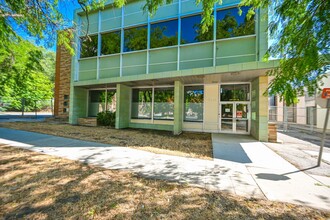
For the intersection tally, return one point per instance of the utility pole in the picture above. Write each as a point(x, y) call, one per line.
point(325, 95)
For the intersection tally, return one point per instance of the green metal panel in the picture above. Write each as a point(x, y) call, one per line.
point(87, 69)
point(111, 19)
point(151, 126)
point(163, 60)
point(109, 66)
point(93, 23)
point(134, 63)
point(190, 6)
point(196, 56)
point(166, 11)
point(134, 13)
point(78, 104)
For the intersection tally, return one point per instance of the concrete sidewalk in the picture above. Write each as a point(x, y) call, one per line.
point(265, 176)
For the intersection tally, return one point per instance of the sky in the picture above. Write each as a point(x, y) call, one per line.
point(67, 8)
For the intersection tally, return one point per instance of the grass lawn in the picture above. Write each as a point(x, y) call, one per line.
point(38, 186)
point(188, 144)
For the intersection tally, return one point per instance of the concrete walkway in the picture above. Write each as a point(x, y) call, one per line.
point(261, 173)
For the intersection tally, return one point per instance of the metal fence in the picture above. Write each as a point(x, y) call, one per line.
point(294, 117)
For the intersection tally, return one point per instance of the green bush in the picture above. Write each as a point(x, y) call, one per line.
point(106, 118)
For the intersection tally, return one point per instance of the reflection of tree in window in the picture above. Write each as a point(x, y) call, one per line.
point(164, 103)
point(231, 24)
point(88, 46)
point(191, 30)
point(135, 39)
point(193, 99)
point(141, 103)
point(164, 34)
point(235, 92)
point(110, 43)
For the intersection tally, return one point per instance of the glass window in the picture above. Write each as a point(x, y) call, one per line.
point(164, 34)
point(164, 104)
point(98, 103)
point(236, 92)
point(191, 30)
point(110, 43)
point(135, 38)
point(231, 24)
point(88, 46)
point(141, 103)
point(193, 103)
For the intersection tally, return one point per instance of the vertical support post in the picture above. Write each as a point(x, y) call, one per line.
point(285, 118)
point(121, 41)
point(148, 46)
point(311, 119)
point(179, 36)
point(215, 34)
point(98, 46)
point(178, 107)
point(324, 133)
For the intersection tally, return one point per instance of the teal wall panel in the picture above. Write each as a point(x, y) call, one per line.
point(134, 14)
point(166, 11)
point(151, 126)
point(134, 63)
point(109, 67)
point(196, 56)
point(110, 19)
point(163, 60)
point(93, 24)
point(87, 69)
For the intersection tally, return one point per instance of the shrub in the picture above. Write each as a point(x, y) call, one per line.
point(106, 118)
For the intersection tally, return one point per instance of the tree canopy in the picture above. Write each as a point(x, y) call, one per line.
point(27, 72)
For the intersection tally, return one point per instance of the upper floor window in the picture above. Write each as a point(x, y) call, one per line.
point(164, 34)
point(110, 43)
point(231, 24)
point(88, 46)
point(136, 38)
point(191, 30)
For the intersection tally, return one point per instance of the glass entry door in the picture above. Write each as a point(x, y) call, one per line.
point(234, 117)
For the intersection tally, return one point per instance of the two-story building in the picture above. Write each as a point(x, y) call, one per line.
point(162, 72)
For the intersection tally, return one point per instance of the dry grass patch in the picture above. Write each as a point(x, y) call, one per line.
point(38, 186)
point(188, 144)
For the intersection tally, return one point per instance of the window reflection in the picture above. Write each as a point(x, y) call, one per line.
point(164, 104)
point(141, 103)
point(100, 101)
point(88, 46)
point(164, 34)
point(231, 24)
point(237, 92)
point(110, 43)
point(191, 30)
point(193, 103)
point(135, 38)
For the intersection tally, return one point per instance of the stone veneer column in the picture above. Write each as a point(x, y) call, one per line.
point(123, 94)
point(259, 109)
point(178, 107)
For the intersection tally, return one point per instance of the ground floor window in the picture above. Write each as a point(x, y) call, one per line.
point(164, 104)
point(100, 101)
point(141, 103)
point(235, 92)
point(153, 103)
point(193, 103)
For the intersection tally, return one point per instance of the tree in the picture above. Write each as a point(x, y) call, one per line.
point(302, 33)
point(27, 72)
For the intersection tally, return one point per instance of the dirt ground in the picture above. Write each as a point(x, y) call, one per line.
point(188, 144)
point(38, 186)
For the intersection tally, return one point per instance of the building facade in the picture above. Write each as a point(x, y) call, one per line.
point(163, 72)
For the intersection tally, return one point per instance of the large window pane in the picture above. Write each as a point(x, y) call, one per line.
point(164, 104)
point(193, 103)
point(88, 46)
point(100, 101)
point(141, 103)
point(135, 38)
point(231, 24)
point(191, 30)
point(164, 34)
point(237, 92)
point(110, 43)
